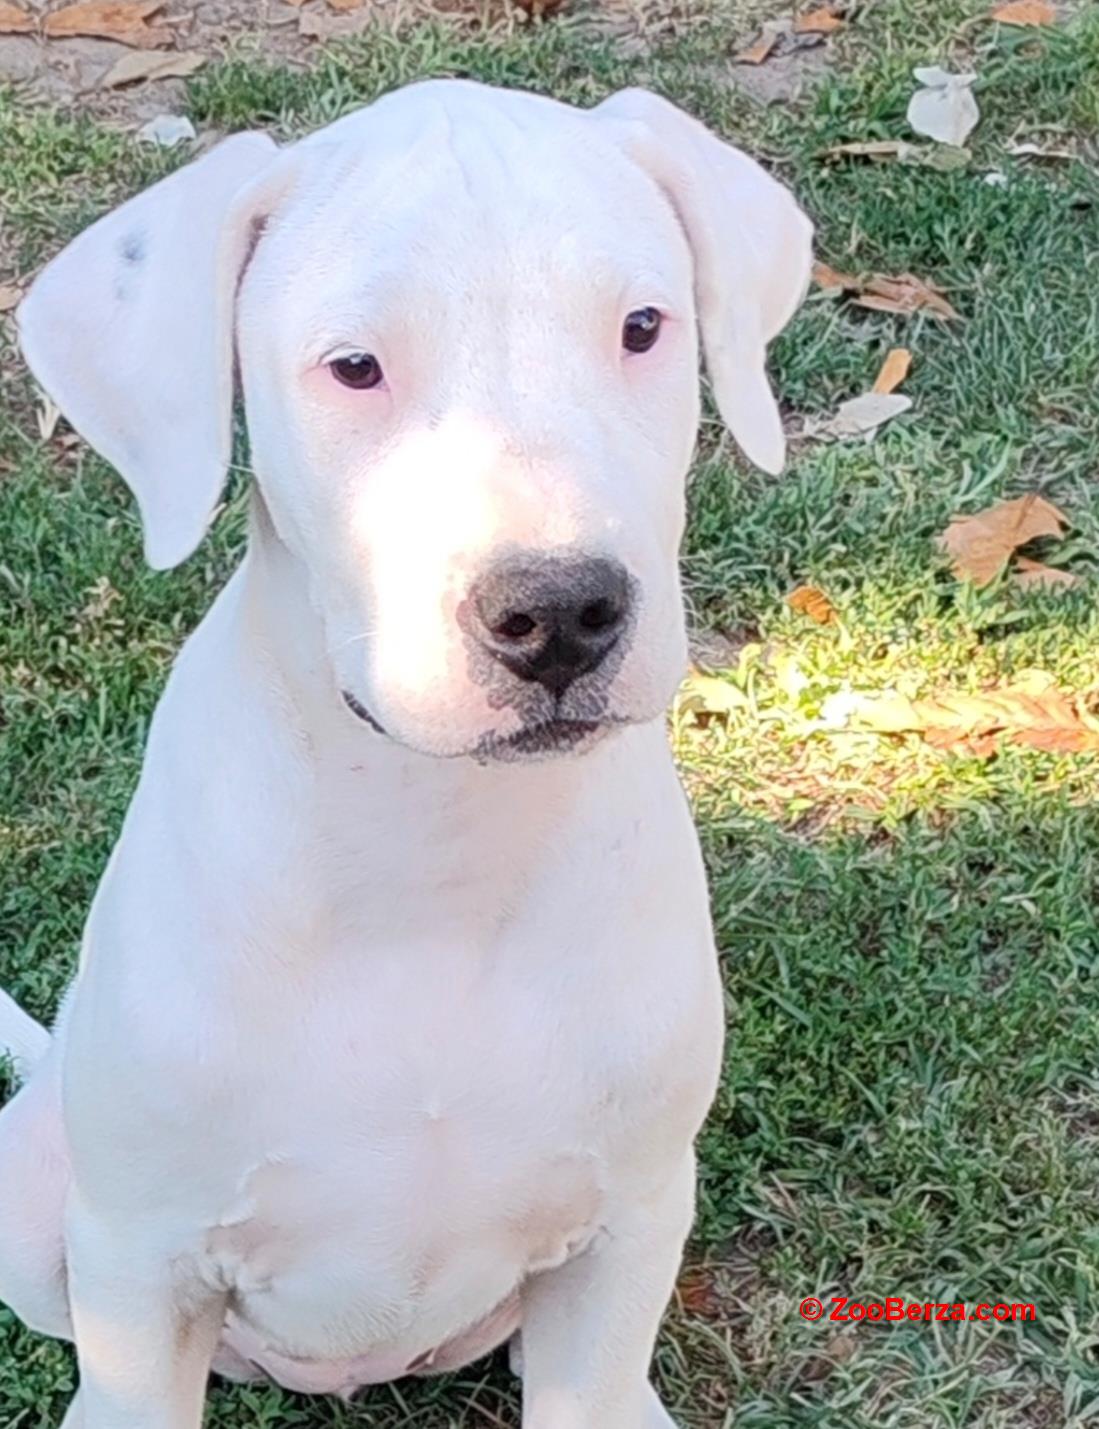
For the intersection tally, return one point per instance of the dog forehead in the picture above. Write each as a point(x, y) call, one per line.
point(453, 171)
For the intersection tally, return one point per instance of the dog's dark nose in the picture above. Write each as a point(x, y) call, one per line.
point(551, 620)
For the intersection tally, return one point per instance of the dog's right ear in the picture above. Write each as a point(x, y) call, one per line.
point(130, 331)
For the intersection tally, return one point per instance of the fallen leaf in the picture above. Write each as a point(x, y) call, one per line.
point(712, 650)
point(904, 294)
point(831, 280)
point(122, 20)
point(1031, 712)
point(698, 1294)
point(810, 600)
point(1035, 151)
point(926, 156)
point(343, 6)
point(821, 21)
point(756, 53)
point(14, 21)
point(149, 64)
point(861, 416)
point(10, 297)
point(981, 545)
point(331, 27)
point(943, 108)
point(872, 149)
point(893, 370)
point(167, 130)
point(1031, 575)
point(880, 714)
point(708, 695)
point(47, 415)
point(1025, 12)
point(946, 158)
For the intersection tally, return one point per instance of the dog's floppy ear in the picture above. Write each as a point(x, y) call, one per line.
point(752, 248)
point(130, 331)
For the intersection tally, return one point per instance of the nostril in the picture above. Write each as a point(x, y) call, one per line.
point(599, 615)
point(515, 627)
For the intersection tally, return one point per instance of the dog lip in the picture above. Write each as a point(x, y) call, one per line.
point(360, 710)
point(552, 736)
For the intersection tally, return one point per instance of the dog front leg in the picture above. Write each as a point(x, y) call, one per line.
point(144, 1342)
point(589, 1327)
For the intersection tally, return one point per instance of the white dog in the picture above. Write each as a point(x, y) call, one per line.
point(398, 1010)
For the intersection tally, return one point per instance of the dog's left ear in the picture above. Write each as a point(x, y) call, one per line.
point(752, 248)
point(130, 330)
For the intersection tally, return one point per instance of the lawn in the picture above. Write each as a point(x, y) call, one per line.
point(910, 934)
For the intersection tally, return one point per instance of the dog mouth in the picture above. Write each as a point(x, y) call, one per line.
point(360, 711)
point(540, 740)
point(549, 737)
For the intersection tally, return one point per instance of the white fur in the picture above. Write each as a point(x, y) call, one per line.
point(378, 1051)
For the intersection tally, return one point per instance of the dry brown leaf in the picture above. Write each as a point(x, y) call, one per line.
point(756, 53)
point(702, 694)
point(810, 600)
point(1036, 151)
point(1032, 712)
point(870, 149)
point(324, 26)
point(698, 1294)
point(343, 6)
point(152, 64)
point(831, 279)
point(982, 544)
point(10, 297)
point(904, 294)
point(821, 21)
point(893, 370)
point(14, 21)
point(122, 20)
point(1025, 12)
point(1031, 575)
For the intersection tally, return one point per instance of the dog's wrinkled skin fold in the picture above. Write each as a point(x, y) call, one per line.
point(398, 1008)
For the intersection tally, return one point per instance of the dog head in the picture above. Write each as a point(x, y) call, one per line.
point(465, 327)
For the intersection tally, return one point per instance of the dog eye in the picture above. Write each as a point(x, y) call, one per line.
point(641, 329)
point(359, 370)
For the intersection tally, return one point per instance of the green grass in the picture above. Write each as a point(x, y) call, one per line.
point(910, 937)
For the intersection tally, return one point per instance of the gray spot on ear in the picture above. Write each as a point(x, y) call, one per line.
point(132, 248)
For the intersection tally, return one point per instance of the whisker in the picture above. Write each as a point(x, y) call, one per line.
point(354, 639)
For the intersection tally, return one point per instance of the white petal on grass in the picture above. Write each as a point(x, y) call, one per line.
point(167, 130)
point(944, 109)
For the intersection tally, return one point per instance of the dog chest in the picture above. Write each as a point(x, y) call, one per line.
point(407, 1193)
